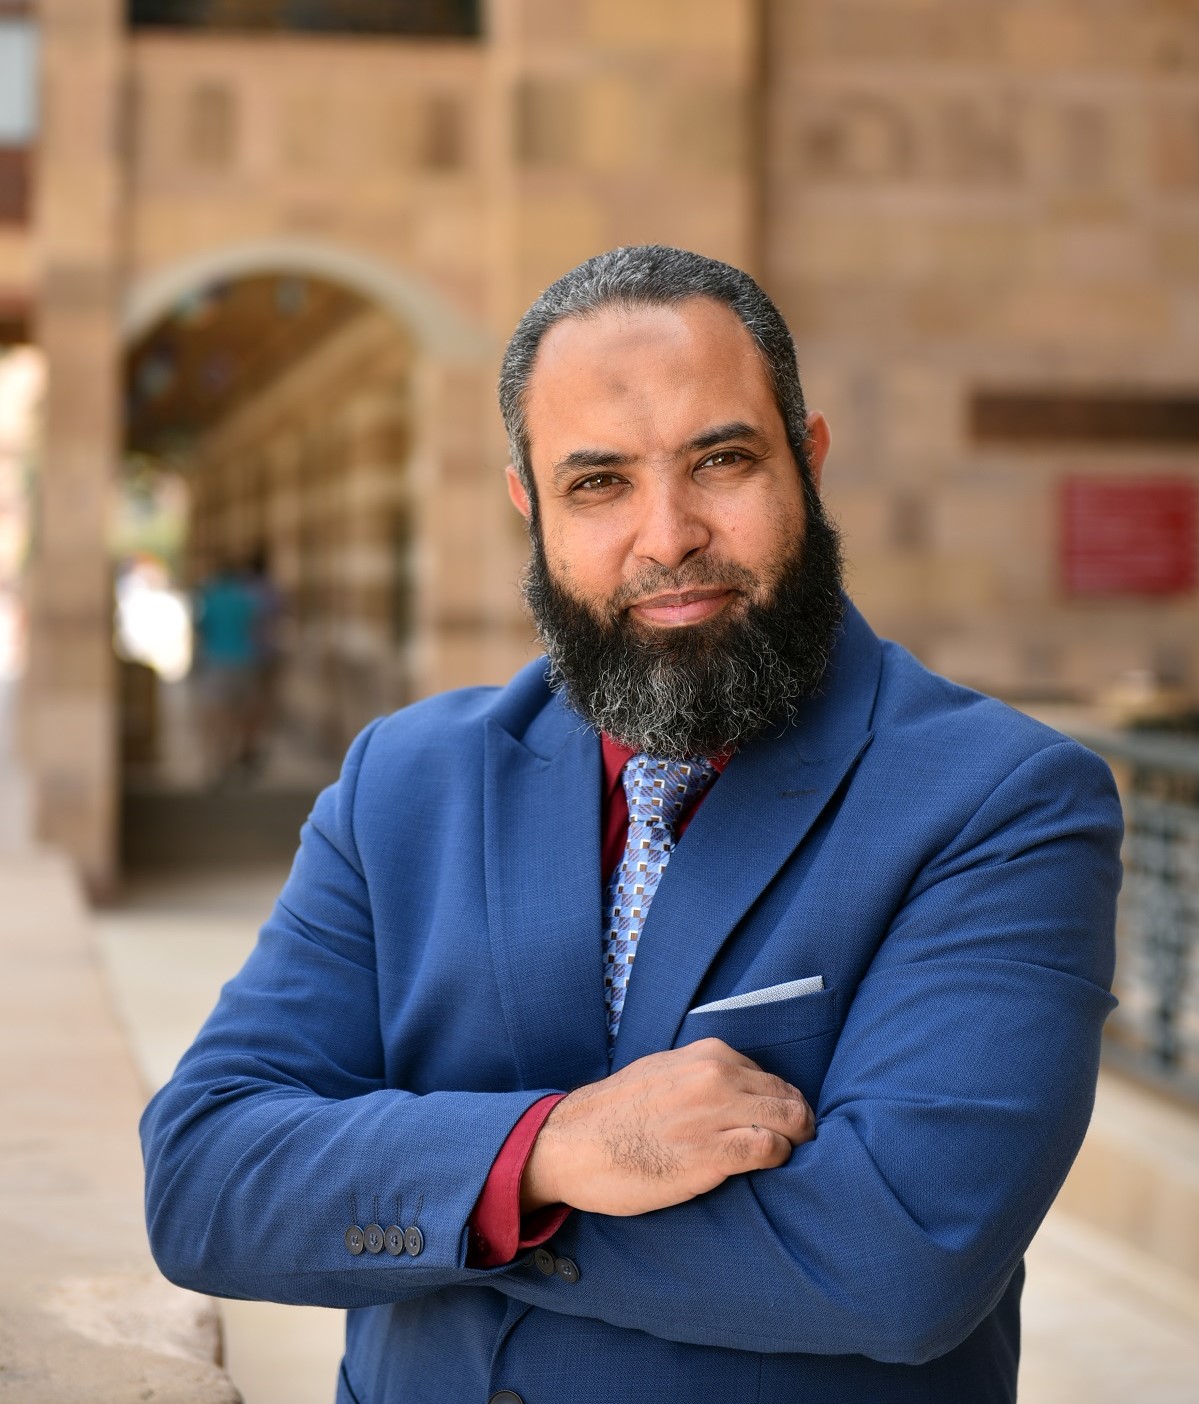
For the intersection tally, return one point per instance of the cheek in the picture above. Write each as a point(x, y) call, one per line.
point(755, 539)
point(588, 549)
point(759, 539)
point(586, 559)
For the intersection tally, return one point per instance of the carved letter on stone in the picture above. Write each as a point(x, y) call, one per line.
point(982, 142)
point(858, 137)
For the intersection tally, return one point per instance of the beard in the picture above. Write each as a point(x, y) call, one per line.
point(698, 689)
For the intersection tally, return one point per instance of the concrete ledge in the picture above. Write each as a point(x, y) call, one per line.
point(1137, 1176)
point(83, 1312)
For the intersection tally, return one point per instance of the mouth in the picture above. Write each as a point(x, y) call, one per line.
point(682, 606)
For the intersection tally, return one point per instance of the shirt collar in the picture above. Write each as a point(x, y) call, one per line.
point(616, 754)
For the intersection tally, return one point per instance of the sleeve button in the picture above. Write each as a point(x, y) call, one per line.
point(414, 1241)
point(393, 1240)
point(567, 1269)
point(374, 1238)
point(544, 1261)
point(355, 1239)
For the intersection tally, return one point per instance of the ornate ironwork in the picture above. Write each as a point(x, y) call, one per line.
point(1155, 1030)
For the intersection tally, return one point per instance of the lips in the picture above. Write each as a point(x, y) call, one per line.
point(682, 606)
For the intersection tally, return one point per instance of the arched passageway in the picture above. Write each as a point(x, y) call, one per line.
point(282, 449)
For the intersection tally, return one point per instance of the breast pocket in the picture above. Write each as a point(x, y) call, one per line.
point(792, 1038)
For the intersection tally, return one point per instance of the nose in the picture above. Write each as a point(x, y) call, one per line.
point(670, 527)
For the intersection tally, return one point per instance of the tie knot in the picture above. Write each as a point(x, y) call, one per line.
point(659, 790)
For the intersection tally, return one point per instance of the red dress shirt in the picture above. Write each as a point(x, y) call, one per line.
point(498, 1232)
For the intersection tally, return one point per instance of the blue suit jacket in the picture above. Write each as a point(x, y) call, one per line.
point(432, 968)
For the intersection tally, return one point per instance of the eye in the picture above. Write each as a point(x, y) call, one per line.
point(595, 482)
point(725, 458)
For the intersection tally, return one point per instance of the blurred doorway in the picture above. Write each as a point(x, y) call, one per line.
point(262, 547)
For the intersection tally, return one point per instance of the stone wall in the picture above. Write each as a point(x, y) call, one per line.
point(999, 196)
point(948, 200)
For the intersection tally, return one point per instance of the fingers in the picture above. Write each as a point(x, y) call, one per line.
point(759, 1111)
point(737, 1092)
point(752, 1148)
point(790, 1117)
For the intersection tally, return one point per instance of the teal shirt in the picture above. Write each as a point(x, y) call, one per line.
point(227, 622)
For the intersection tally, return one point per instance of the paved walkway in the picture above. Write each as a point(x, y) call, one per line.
point(1102, 1324)
point(83, 1313)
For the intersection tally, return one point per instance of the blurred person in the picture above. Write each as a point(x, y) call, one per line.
point(228, 619)
point(267, 651)
point(713, 1012)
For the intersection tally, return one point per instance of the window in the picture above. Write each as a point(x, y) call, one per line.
point(18, 82)
point(429, 18)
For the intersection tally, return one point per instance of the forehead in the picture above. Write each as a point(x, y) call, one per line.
point(653, 374)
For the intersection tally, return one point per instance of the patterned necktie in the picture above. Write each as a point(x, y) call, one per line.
point(657, 791)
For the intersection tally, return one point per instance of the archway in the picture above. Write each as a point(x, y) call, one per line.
point(435, 324)
point(272, 389)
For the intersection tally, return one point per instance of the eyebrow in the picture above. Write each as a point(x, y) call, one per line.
point(722, 433)
point(611, 458)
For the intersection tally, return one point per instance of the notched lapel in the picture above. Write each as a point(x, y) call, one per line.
point(758, 813)
point(544, 897)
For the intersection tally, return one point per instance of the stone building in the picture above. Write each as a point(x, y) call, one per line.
point(981, 220)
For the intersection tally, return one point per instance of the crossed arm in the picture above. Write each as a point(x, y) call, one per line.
point(957, 1096)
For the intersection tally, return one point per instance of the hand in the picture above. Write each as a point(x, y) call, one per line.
point(668, 1127)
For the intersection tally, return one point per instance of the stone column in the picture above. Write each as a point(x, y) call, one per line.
point(70, 730)
point(374, 572)
point(466, 625)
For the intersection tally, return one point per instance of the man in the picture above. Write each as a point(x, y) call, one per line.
point(816, 945)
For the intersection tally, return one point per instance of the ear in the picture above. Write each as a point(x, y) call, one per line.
point(516, 491)
point(818, 443)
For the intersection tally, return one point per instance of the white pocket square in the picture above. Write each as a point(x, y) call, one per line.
point(769, 995)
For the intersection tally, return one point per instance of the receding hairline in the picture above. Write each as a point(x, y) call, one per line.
point(622, 303)
point(649, 275)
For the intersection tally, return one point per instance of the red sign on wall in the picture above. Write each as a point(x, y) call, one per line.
point(1129, 536)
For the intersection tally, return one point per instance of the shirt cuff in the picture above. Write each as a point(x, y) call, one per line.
point(497, 1232)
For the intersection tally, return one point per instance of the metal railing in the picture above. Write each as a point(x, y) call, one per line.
point(422, 18)
point(1155, 1031)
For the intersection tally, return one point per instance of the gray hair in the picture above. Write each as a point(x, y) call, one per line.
point(650, 275)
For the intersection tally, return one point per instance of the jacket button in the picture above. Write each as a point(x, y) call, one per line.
point(567, 1269)
point(414, 1241)
point(374, 1238)
point(544, 1260)
point(393, 1240)
point(506, 1396)
point(355, 1240)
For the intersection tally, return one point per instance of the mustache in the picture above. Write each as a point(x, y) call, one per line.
point(703, 572)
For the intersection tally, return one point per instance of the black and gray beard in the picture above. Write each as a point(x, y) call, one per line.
point(698, 689)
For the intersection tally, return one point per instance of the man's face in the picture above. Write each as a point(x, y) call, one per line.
point(670, 579)
point(655, 442)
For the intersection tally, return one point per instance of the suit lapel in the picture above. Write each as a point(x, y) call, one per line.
point(760, 810)
point(544, 895)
